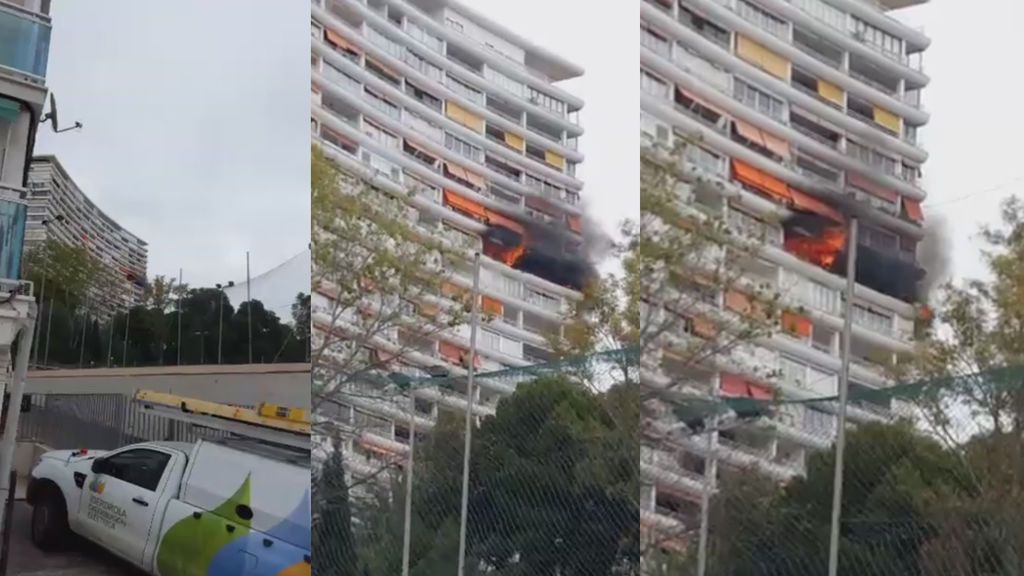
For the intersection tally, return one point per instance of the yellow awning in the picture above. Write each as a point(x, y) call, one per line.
point(762, 57)
point(516, 141)
point(831, 92)
point(464, 117)
point(555, 160)
point(888, 119)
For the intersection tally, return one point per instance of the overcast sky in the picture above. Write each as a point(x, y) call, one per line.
point(974, 100)
point(196, 132)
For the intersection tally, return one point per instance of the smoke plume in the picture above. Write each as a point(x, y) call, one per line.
point(934, 254)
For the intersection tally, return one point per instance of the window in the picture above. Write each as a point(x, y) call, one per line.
point(388, 45)
point(465, 90)
point(490, 340)
point(142, 467)
point(424, 37)
point(653, 85)
point(550, 102)
point(422, 66)
point(463, 148)
point(758, 99)
point(655, 41)
point(872, 157)
point(819, 423)
point(502, 81)
point(771, 23)
point(423, 96)
point(380, 135)
point(889, 45)
point(830, 15)
point(383, 105)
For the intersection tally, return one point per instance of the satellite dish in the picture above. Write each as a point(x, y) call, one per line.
point(51, 116)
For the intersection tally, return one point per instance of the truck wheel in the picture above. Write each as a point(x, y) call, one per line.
point(50, 520)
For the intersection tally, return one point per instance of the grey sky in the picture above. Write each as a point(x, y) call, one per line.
point(606, 43)
point(975, 106)
point(196, 133)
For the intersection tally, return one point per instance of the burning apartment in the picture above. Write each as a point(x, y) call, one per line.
point(429, 96)
point(797, 114)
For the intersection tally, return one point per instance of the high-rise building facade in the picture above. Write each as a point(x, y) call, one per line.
point(59, 210)
point(796, 115)
point(431, 96)
point(24, 50)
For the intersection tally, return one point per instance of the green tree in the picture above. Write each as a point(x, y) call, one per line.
point(383, 274)
point(334, 546)
point(554, 484)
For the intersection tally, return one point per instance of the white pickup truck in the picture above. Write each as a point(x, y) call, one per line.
point(179, 509)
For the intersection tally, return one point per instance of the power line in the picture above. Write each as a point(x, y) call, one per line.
point(995, 188)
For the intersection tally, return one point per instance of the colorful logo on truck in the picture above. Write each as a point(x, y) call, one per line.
point(96, 486)
point(221, 543)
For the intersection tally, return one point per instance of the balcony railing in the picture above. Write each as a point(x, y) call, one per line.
point(24, 42)
point(703, 69)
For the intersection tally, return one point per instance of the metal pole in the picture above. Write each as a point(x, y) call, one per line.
point(220, 327)
point(180, 296)
point(110, 340)
point(49, 320)
point(471, 393)
point(710, 476)
point(248, 297)
point(127, 325)
point(39, 317)
point(202, 348)
point(844, 378)
point(10, 433)
point(85, 324)
point(407, 527)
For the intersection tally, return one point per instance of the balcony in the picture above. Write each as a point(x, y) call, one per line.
point(701, 68)
point(24, 42)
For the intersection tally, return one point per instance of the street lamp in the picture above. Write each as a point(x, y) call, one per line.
point(220, 320)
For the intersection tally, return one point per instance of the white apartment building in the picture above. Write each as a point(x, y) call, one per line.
point(58, 209)
point(432, 96)
point(796, 111)
point(24, 51)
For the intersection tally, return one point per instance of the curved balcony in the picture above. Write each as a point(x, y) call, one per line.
point(732, 63)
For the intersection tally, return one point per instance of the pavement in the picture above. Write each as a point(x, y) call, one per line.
point(79, 557)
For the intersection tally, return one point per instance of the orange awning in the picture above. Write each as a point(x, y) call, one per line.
point(796, 324)
point(858, 181)
point(496, 219)
point(758, 392)
point(732, 385)
point(420, 149)
point(913, 208)
point(541, 205)
point(450, 352)
point(762, 181)
point(475, 179)
point(339, 41)
point(457, 171)
point(758, 136)
point(809, 203)
point(702, 102)
point(463, 204)
point(492, 306)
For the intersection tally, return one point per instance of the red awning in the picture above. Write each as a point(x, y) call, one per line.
point(808, 203)
point(732, 385)
point(862, 183)
point(913, 208)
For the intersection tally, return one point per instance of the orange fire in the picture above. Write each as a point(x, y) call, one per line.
point(821, 250)
point(508, 255)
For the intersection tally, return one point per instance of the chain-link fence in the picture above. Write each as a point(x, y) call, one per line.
point(933, 474)
point(99, 421)
point(553, 476)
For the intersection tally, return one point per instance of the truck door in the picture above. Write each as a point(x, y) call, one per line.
point(122, 498)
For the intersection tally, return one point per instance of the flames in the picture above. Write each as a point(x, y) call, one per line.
point(821, 250)
point(509, 255)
